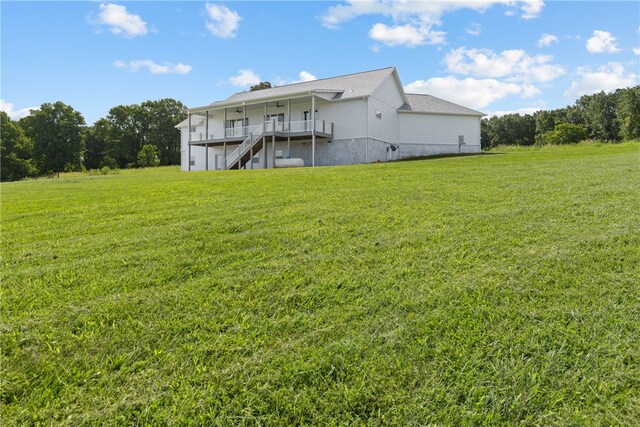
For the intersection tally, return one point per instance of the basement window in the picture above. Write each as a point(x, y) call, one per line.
point(192, 162)
point(256, 159)
point(279, 154)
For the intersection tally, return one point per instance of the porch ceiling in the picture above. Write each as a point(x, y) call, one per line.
point(299, 98)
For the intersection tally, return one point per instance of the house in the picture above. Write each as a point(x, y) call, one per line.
point(357, 118)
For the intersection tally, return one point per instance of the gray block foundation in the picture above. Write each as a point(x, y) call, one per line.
point(368, 150)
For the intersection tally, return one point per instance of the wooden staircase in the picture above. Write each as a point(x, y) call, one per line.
point(252, 144)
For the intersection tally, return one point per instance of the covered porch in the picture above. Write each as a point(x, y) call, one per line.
point(246, 128)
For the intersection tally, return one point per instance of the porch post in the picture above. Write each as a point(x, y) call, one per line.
point(224, 139)
point(250, 158)
point(189, 143)
point(206, 137)
point(264, 150)
point(313, 130)
point(273, 148)
point(244, 120)
point(289, 128)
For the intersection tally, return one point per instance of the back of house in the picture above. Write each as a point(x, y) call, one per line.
point(356, 118)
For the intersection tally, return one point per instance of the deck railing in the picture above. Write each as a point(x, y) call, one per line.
point(254, 134)
point(300, 126)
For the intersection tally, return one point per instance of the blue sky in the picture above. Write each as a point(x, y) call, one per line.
point(491, 55)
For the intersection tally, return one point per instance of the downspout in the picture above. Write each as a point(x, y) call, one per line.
point(224, 138)
point(366, 131)
point(206, 145)
point(189, 143)
point(289, 128)
point(313, 130)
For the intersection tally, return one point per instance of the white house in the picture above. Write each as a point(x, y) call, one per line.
point(357, 118)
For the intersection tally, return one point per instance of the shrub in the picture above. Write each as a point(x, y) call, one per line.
point(564, 133)
point(148, 156)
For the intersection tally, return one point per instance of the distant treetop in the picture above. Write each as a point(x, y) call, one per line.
point(260, 86)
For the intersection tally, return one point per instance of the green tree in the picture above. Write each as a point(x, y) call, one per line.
point(600, 117)
point(510, 129)
point(125, 136)
point(15, 151)
point(565, 133)
point(161, 117)
point(130, 127)
point(95, 144)
point(148, 156)
point(57, 134)
point(260, 86)
point(545, 121)
point(629, 112)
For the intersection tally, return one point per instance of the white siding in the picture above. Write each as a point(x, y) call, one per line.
point(349, 118)
point(389, 93)
point(383, 114)
point(383, 121)
point(439, 129)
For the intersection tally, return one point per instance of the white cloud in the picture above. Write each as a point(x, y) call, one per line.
point(121, 22)
point(515, 64)
point(425, 11)
point(529, 91)
point(14, 114)
point(546, 40)
point(166, 68)
point(605, 78)
point(601, 42)
point(244, 78)
point(472, 93)
point(223, 22)
point(407, 35)
point(532, 8)
point(414, 20)
point(636, 50)
point(474, 29)
point(521, 111)
point(305, 76)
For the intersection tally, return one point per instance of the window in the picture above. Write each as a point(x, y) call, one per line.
point(461, 140)
point(193, 128)
point(279, 116)
point(256, 159)
point(279, 154)
point(237, 123)
point(192, 162)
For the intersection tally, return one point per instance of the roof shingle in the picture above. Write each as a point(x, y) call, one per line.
point(419, 103)
point(349, 86)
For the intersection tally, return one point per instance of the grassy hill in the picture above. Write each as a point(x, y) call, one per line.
point(493, 289)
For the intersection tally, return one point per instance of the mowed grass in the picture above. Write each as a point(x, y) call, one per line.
point(501, 288)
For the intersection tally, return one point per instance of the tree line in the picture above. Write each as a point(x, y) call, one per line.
point(55, 138)
point(608, 117)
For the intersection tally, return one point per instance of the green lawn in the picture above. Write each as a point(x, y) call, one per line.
point(502, 288)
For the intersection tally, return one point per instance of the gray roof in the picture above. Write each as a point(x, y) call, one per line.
point(343, 87)
point(419, 103)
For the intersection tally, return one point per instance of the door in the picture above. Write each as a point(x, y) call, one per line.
point(278, 118)
point(306, 117)
point(236, 128)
